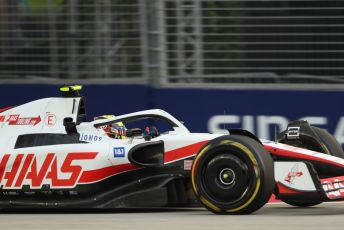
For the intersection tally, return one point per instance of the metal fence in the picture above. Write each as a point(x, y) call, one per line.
point(164, 41)
point(71, 39)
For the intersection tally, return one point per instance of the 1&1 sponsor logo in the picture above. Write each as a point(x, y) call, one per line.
point(118, 152)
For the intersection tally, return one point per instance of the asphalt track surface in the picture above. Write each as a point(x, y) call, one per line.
point(273, 216)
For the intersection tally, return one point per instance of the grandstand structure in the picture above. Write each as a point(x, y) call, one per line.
point(163, 42)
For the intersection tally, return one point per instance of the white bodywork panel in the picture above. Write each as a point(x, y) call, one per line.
point(295, 152)
point(95, 157)
point(64, 166)
point(294, 175)
point(40, 116)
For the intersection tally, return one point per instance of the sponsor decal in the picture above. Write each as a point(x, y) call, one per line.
point(2, 118)
point(90, 137)
point(183, 152)
point(24, 170)
point(293, 132)
point(50, 119)
point(334, 187)
point(187, 164)
point(119, 152)
point(293, 174)
point(4, 109)
point(15, 119)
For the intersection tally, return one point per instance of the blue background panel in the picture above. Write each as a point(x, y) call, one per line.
point(257, 110)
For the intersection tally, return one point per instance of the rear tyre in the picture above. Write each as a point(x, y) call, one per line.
point(330, 145)
point(233, 175)
point(298, 203)
point(323, 143)
point(327, 144)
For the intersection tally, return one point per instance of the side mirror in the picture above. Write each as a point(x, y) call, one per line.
point(69, 125)
point(133, 132)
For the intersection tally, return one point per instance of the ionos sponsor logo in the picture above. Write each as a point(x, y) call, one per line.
point(90, 137)
point(17, 170)
point(261, 125)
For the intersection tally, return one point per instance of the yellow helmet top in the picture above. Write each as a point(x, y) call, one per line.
point(71, 88)
point(105, 117)
point(71, 91)
point(110, 117)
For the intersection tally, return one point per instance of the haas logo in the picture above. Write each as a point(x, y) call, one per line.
point(294, 172)
point(24, 170)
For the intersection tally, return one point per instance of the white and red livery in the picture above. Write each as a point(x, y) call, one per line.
point(51, 156)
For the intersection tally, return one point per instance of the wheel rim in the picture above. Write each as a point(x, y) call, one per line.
point(227, 178)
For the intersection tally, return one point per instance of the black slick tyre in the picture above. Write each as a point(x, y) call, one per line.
point(303, 204)
point(233, 175)
point(329, 143)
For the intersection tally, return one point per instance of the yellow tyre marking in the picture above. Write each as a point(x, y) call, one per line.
point(194, 166)
point(209, 204)
point(327, 151)
point(249, 201)
point(256, 169)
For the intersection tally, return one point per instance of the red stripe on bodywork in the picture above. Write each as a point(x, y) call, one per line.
point(184, 152)
point(332, 179)
point(3, 164)
point(92, 176)
point(10, 176)
point(273, 199)
point(23, 171)
point(293, 154)
point(100, 174)
point(4, 109)
point(285, 190)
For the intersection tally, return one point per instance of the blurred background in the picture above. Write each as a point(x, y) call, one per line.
point(215, 64)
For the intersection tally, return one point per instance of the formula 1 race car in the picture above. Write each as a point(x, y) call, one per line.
point(51, 157)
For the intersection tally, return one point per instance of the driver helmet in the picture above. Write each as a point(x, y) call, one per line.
point(115, 130)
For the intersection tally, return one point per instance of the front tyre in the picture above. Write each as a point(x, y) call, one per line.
point(233, 175)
